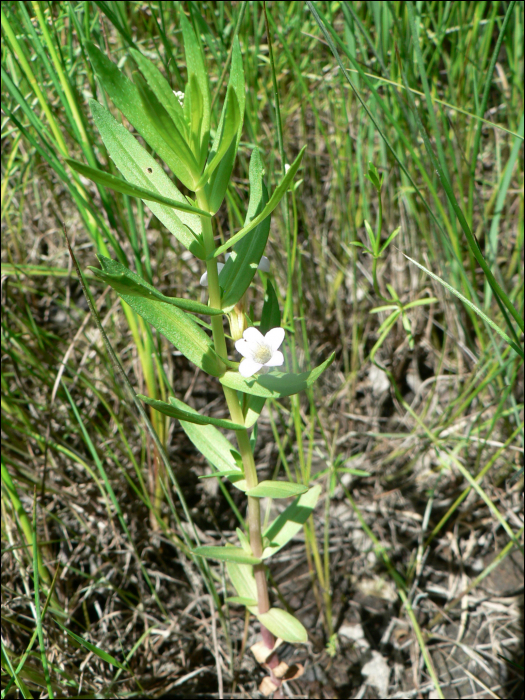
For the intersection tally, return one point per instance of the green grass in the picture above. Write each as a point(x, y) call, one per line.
point(428, 402)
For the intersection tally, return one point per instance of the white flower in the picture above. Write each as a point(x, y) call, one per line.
point(259, 350)
point(180, 96)
point(264, 265)
point(286, 167)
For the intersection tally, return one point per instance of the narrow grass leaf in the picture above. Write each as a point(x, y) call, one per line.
point(93, 648)
point(474, 308)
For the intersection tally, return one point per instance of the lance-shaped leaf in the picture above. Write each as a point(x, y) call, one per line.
point(283, 625)
point(243, 581)
point(118, 185)
point(271, 314)
point(238, 600)
point(125, 281)
point(216, 448)
point(218, 184)
point(276, 197)
point(176, 325)
point(175, 410)
point(230, 126)
point(238, 272)
point(141, 169)
point(234, 554)
point(277, 384)
point(126, 97)
point(253, 410)
point(164, 125)
point(198, 117)
point(162, 89)
point(286, 526)
point(276, 489)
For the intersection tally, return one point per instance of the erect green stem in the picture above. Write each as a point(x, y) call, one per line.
point(250, 472)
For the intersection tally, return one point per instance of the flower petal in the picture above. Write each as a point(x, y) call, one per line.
point(244, 348)
point(204, 280)
point(276, 360)
point(253, 336)
point(274, 338)
point(248, 368)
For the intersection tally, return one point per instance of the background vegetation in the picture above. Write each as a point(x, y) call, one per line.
point(409, 579)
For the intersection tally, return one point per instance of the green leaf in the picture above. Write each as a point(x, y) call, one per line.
point(217, 475)
point(234, 554)
point(239, 600)
point(164, 125)
point(127, 282)
point(92, 648)
point(276, 197)
point(122, 186)
point(276, 489)
point(286, 526)
point(230, 126)
point(174, 410)
point(175, 325)
point(390, 239)
point(216, 448)
point(474, 308)
point(283, 625)
point(241, 266)
point(277, 384)
point(139, 168)
point(126, 97)
point(162, 89)
point(271, 314)
point(198, 117)
point(243, 581)
point(220, 179)
point(253, 410)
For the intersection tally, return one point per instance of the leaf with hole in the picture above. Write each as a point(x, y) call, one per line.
point(126, 97)
point(139, 168)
